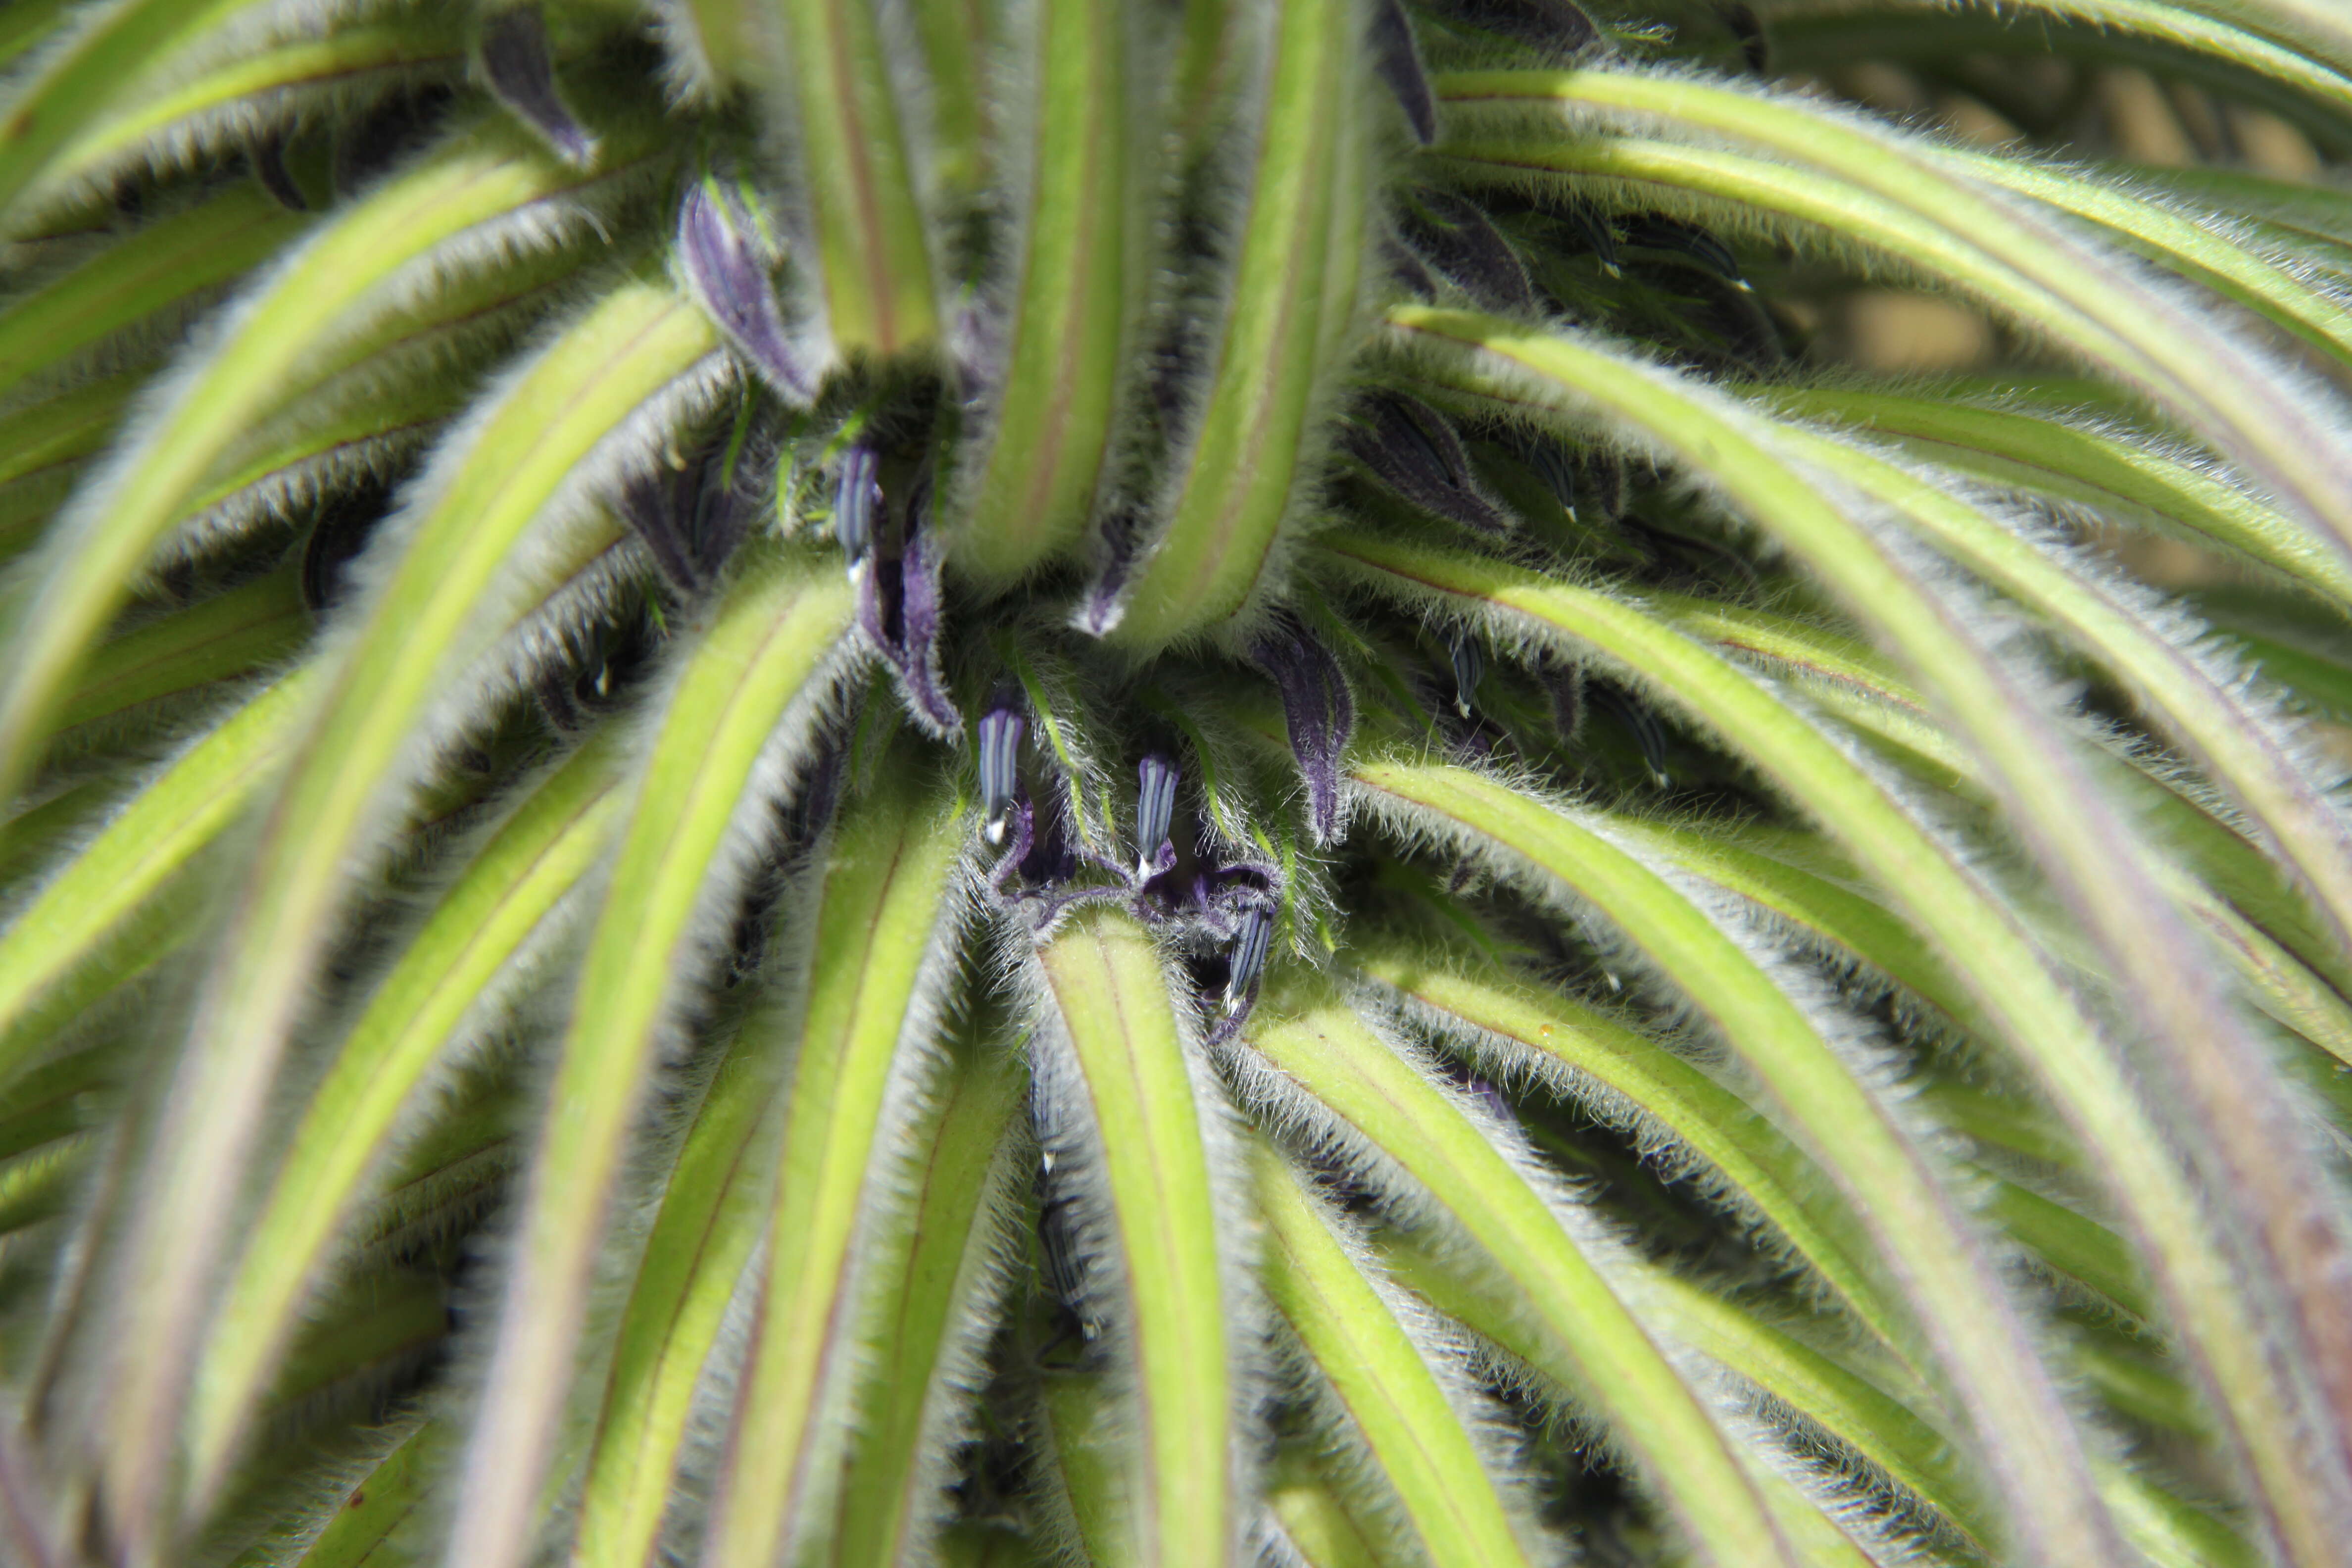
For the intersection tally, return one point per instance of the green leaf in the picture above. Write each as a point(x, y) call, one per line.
point(188, 805)
point(427, 1005)
point(2049, 453)
point(448, 593)
point(1248, 462)
point(145, 277)
point(948, 1254)
point(764, 663)
point(1405, 1414)
point(1888, 190)
point(885, 931)
point(216, 109)
point(1083, 271)
point(826, 59)
point(1751, 1159)
point(1132, 1127)
point(1677, 1448)
point(1935, 1262)
point(229, 635)
point(282, 338)
point(1880, 1429)
point(81, 80)
point(2217, 1085)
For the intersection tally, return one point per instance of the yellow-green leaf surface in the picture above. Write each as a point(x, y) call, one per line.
point(762, 663)
point(886, 917)
point(1660, 1421)
point(502, 901)
point(1248, 463)
point(1122, 1062)
point(1418, 1445)
point(431, 614)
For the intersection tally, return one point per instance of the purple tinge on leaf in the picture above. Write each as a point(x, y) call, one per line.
point(1318, 711)
point(900, 607)
point(1399, 64)
point(999, 749)
point(1412, 448)
point(725, 268)
point(1462, 242)
point(521, 72)
point(1155, 810)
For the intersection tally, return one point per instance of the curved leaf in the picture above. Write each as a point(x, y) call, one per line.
point(867, 1057)
point(1406, 1417)
point(428, 1002)
point(1131, 1120)
point(1247, 462)
point(1548, 1271)
point(749, 693)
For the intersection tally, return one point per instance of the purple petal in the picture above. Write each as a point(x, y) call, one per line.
point(1469, 661)
point(999, 751)
point(521, 72)
point(267, 153)
point(1318, 711)
point(917, 658)
point(1462, 243)
point(729, 278)
point(1399, 64)
point(857, 500)
point(1248, 957)
point(1155, 809)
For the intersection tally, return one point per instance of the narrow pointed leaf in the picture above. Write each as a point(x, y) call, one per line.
point(752, 685)
point(1249, 460)
point(1083, 271)
point(881, 954)
point(2106, 876)
point(451, 594)
point(433, 997)
point(1657, 1417)
point(229, 635)
point(920, 1393)
point(1134, 1118)
point(324, 291)
point(828, 61)
point(2279, 423)
point(186, 807)
point(1417, 1439)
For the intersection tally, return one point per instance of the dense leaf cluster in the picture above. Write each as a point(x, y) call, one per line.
point(1129, 782)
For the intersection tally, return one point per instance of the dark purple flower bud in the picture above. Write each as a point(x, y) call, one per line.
point(1001, 729)
point(1462, 242)
point(1565, 685)
point(1412, 448)
point(1252, 936)
point(1057, 1247)
point(728, 276)
point(1740, 17)
point(1560, 24)
point(1399, 64)
point(267, 155)
point(1155, 809)
point(1641, 724)
point(1469, 669)
point(900, 607)
point(1411, 273)
point(365, 147)
point(1318, 711)
point(658, 508)
point(521, 72)
point(857, 500)
point(1656, 231)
